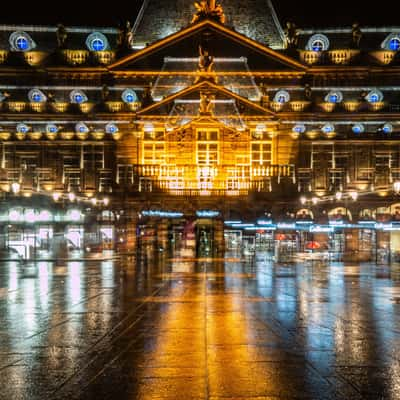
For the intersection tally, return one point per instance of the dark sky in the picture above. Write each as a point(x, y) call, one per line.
point(310, 13)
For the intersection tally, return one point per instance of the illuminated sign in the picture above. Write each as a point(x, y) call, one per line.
point(162, 214)
point(207, 214)
point(322, 229)
point(264, 222)
point(284, 225)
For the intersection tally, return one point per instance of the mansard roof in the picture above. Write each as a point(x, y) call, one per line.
point(255, 19)
point(45, 37)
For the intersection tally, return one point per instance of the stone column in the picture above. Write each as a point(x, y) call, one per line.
point(351, 245)
point(162, 234)
point(219, 239)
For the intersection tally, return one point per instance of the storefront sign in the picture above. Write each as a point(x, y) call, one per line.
point(321, 229)
point(284, 225)
point(207, 214)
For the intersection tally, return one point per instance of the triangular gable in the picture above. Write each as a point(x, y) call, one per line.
point(202, 26)
point(206, 86)
point(206, 121)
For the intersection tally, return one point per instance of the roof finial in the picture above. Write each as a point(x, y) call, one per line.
point(209, 9)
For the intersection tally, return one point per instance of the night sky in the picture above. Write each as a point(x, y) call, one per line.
point(309, 13)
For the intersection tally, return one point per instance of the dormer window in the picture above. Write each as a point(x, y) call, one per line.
point(96, 41)
point(282, 96)
point(78, 97)
point(392, 42)
point(21, 41)
point(111, 128)
point(358, 128)
point(81, 128)
point(22, 128)
point(51, 128)
point(374, 96)
point(299, 128)
point(318, 43)
point(129, 96)
point(328, 128)
point(334, 97)
point(36, 96)
point(387, 128)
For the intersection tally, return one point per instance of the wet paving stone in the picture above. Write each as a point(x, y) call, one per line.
point(194, 330)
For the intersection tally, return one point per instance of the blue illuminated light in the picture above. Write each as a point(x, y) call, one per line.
point(129, 96)
point(162, 214)
point(78, 98)
point(374, 98)
point(52, 128)
point(98, 45)
point(22, 128)
point(357, 129)
point(281, 99)
point(333, 98)
point(207, 214)
point(394, 44)
point(317, 45)
point(22, 43)
point(387, 128)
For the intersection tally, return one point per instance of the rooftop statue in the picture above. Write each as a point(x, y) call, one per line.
point(206, 65)
point(209, 9)
point(125, 37)
point(61, 36)
point(291, 35)
point(206, 103)
point(356, 35)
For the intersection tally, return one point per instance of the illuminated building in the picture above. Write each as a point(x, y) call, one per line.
point(219, 108)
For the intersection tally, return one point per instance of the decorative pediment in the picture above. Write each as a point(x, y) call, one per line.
point(205, 100)
point(221, 41)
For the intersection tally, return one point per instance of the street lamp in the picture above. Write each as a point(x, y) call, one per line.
point(15, 187)
point(354, 195)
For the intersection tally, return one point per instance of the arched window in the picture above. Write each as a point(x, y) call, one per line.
point(96, 41)
point(21, 41)
point(392, 42)
point(129, 96)
point(22, 128)
point(80, 127)
point(358, 128)
point(334, 97)
point(282, 96)
point(78, 97)
point(299, 128)
point(51, 128)
point(328, 128)
point(387, 128)
point(111, 128)
point(36, 96)
point(318, 42)
point(374, 96)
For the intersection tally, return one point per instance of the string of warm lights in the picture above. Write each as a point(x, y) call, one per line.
point(60, 196)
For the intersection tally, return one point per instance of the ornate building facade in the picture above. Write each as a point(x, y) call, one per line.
point(204, 108)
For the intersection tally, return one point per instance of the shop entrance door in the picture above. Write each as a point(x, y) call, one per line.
point(204, 239)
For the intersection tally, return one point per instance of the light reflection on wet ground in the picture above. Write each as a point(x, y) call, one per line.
point(199, 329)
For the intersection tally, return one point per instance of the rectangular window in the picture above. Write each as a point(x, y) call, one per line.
point(156, 135)
point(261, 153)
point(207, 147)
point(153, 153)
